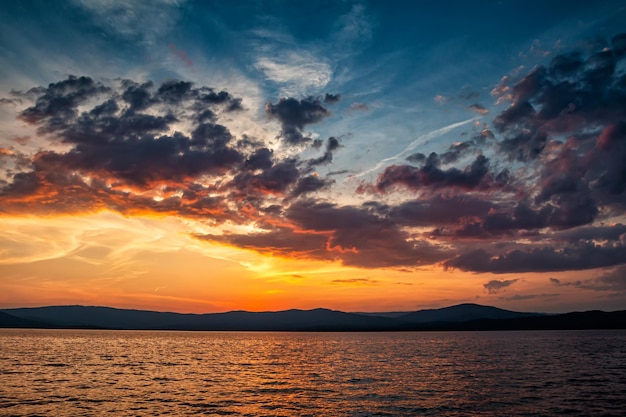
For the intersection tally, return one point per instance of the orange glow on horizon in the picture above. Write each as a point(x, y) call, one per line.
point(155, 263)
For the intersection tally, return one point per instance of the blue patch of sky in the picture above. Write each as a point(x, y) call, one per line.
point(390, 58)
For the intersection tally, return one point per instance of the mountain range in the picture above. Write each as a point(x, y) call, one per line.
point(458, 317)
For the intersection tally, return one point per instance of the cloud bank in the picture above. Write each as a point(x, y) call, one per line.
point(541, 187)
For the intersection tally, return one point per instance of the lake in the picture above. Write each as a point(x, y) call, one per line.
point(149, 373)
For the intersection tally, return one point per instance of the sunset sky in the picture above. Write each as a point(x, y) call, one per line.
point(205, 156)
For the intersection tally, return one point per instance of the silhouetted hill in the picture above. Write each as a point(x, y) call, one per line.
point(461, 317)
point(102, 317)
point(461, 313)
point(569, 321)
point(112, 318)
point(10, 321)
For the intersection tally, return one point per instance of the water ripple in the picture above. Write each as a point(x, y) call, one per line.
point(68, 373)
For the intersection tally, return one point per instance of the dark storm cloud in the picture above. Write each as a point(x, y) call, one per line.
point(173, 92)
point(56, 108)
point(575, 91)
point(567, 247)
point(57, 104)
point(438, 210)
point(554, 173)
point(455, 152)
point(431, 176)
point(117, 139)
point(310, 184)
point(356, 236)
point(294, 115)
point(144, 160)
point(331, 145)
point(495, 286)
point(416, 158)
point(565, 120)
point(541, 259)
point(504, 220)
point(340, 172)
point(609, 170)
point(206, 96)
point(279, 241)
point(123, 151)
point(603, 233)
point(332, 98)
point(360, 236)
point(24, 184)
point(138, 96)
point(262, 159)
point(274, 179)
point(547, 198)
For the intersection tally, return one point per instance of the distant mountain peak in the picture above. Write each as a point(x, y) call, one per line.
point(466, 316)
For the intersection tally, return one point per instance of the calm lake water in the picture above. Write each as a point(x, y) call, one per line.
point(142, 373)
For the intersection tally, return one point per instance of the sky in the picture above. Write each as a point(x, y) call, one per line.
point(207, 156)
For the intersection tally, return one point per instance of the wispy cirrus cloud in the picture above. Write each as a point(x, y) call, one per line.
point(414, 144)
point(145, 21)
point(297, 73)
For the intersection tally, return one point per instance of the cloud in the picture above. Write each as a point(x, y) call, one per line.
point(456, 151)
point(417, 158)
point(538, 189)
point(513, 219)
point(614, 280)
point(128, 139)
point(431, 176)
point(332, 98)
point(575, 90)
point(355, 281)
point(145, 21)
point(356, 236)
point(354, 27)
point(479, 109)
point(294, 115)
point(439, 211)
point(297, 73)
point(523, 297)
point(359, 107)
point(332, 144)
point(58, 103)
point(541, 259)
point(310, 184)
point(137, 147)
point(414, 144)
point(495, 286)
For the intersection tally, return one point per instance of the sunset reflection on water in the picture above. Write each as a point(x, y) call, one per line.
point(64, 372)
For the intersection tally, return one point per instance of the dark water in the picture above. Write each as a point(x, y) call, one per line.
point(71, 373)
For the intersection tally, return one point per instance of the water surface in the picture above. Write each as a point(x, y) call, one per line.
point(144, 373)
